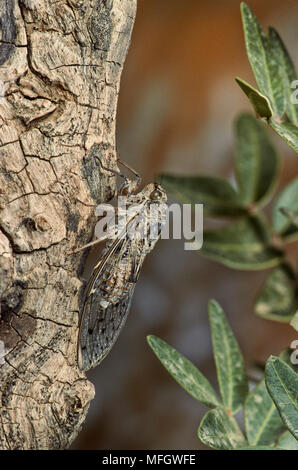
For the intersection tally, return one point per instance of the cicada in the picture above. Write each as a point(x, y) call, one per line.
point(110, 289)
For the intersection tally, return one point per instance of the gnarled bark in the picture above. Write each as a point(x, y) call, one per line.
point(60, 67)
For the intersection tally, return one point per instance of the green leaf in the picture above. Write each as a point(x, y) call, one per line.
point(257, 162)
point(287, 72)
point(263, 59)
point(292, 216)
point(294, 321)
point(287, 441)
point(220, 431)
point(282, 384)
point(217, 195)
point(287, 131)
point(228, 358)
point(259, 448)
point(184, 372)
point(263, 423)
point(244, 244)
point(278, 297)
point(274, 73)
point(287, 200)
point(260, 103)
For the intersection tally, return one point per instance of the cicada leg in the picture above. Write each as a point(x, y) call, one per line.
point(130, 185)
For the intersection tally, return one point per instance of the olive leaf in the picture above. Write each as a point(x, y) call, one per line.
point(230, 365)
point(263, 423)
point(184, 372)
point(244, 244)
point(285, 204)
point(287, 74)
point(260, 103)
point(278, 297)
point(262, 57)
point(269, 409)
point(274, 73)
point(219, 430)
point(256, 160)
point(257, 166)
point(287, 131)
point(282, 384)
point(287, 441)
point(217, 194)
point(291, 215)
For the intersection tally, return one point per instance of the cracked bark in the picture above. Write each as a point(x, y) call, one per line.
point(60, 67)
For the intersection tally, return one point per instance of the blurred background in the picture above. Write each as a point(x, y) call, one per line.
point(177, 104)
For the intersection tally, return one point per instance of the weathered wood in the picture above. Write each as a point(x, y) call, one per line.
point(59, 80)
point(8, 30)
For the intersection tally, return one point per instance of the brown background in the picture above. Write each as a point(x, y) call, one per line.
point(177, 104)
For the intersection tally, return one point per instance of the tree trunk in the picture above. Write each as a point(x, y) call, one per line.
point(60, 67)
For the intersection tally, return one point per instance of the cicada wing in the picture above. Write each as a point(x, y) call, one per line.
point(97, 341)
point(93, 309)
point(103, 318)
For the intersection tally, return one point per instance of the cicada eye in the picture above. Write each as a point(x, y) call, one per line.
point(156, 194)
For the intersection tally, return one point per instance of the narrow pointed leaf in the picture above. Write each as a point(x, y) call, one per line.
point(282, 384)
point(184, 372)
point(287, 200)
point(242, 245)
point(259, 448)
point(275, 74)
point(287, 441)
point(260, 103)
point(257, 162)
point(229, 361)
point(217, 195)
point(263, 423)
point(291, 215)
point(263, 60)
point(287, 131)
point(287, 72)
point(220, 431)
point(278, 297)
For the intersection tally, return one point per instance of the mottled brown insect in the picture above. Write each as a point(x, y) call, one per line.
point(110, 289)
